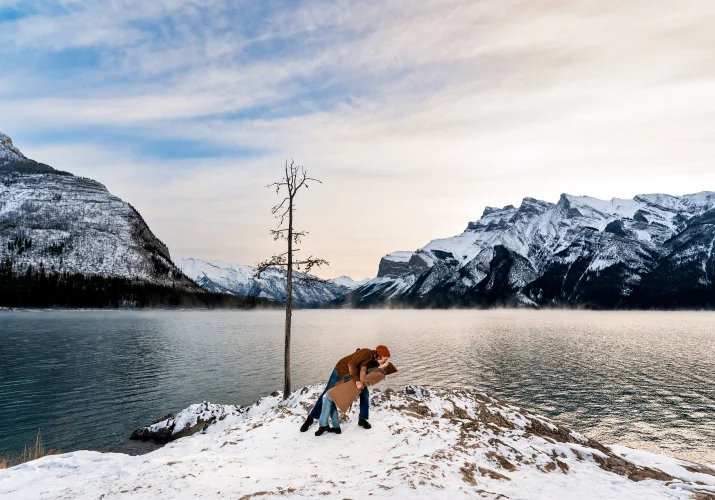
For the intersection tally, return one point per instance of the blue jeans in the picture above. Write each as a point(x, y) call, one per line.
point(364, 404)
point(329, 411)
point(315, 412)
point(334, 379)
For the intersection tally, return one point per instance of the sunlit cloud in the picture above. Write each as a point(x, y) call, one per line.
point(415, 114)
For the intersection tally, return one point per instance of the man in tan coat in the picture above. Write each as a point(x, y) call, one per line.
point(355, 365)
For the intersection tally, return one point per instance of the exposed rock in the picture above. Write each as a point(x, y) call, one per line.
point(633, 472)
point(196, 418)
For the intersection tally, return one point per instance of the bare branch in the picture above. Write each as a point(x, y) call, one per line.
point(282, 217)
point(297, 235)
point(310, 281)
point(275, 261)
point(277, 184)
point(276, 208)
point(266, 265)
point(278, 234)
point(310, 263)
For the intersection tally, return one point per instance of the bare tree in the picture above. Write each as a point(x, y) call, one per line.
point(294, 178)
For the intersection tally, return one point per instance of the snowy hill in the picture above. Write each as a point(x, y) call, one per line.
point(432, 444)
point(223, 277)
point(652, 251)
point(56, 222)
point(348, 282)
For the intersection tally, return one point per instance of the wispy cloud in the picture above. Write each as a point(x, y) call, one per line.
point(417, 114)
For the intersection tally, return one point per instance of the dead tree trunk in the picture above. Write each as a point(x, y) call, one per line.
point(295, 177)
point(289, 302)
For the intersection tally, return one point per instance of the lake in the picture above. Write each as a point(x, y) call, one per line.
point(87, 379)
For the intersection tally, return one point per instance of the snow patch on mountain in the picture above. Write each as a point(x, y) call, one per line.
point(399, 256)
point(348, 282)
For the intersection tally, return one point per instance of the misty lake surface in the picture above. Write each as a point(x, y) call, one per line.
point(87, 379)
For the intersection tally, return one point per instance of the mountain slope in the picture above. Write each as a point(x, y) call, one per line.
point(223, 277)
point(652, 251)
point(71, 224)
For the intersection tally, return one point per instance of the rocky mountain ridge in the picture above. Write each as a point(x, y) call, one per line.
point(654, 251)
point(236, 279)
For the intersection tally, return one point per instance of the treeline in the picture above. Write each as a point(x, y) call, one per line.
point(37, 288)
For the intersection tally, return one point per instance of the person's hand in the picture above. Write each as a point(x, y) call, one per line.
point(360, 385)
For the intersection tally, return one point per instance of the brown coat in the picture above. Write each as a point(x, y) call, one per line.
point(352, 363)
point(344, 393)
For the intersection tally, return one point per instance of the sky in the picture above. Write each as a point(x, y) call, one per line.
point(415, 115)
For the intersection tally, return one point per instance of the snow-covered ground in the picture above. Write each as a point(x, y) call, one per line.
point(437, 444)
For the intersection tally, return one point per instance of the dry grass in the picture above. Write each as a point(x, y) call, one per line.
point(32, 452)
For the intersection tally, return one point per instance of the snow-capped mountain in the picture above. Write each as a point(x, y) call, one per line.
point(223, 277)
point(348, 282)
point(57, 222)
point(655, 250)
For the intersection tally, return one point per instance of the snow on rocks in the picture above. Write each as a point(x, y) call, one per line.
point(348, 282)
point(424, 443)
point(8, 152)
point(187, 422)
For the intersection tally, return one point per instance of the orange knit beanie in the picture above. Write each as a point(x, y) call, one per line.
point(383, 351)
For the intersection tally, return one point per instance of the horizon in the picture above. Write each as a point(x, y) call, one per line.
point(186, 113)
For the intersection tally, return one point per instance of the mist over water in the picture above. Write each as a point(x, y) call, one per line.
point(88, 379)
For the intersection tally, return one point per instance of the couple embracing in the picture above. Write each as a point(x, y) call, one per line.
point(351, 378)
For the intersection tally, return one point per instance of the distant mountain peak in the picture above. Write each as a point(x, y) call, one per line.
point(496, 210)
point(8, 151)
point(348, 282)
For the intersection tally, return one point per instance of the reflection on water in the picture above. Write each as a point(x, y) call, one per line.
point(87, 379)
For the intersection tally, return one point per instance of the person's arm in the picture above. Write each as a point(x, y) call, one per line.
point(363, 372)
point(356, 361)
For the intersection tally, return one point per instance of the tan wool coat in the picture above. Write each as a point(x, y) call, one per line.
point(344, 394)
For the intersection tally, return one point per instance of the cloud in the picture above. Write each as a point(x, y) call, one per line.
point(416, 114)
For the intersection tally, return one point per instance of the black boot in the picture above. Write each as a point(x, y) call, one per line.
point(321, 430)
point(364, 423)
point(308, 422)
point(335, 430)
